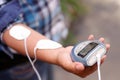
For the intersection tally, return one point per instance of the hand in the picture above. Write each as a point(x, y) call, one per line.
point(64, 60)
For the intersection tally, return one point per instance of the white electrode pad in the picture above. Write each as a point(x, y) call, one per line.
point(47, 44)
point(18, 32)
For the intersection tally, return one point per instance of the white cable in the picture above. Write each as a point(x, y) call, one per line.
point(98, 65)
point(25, 45)
point(52, 45)
point(35, 56)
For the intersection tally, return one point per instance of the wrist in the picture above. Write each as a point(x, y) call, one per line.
point(49, 55)
point(58, 55)
point(63, 55)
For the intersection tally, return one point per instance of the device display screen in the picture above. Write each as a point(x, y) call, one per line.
point(87, 49)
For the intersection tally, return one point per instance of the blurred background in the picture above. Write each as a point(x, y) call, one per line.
point(98, 17)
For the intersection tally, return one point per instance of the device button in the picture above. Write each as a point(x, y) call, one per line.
point(91, 61)
point(101, 51)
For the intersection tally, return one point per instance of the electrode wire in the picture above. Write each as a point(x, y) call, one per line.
point(35, 56)
point(32, 62)
point(98, 66)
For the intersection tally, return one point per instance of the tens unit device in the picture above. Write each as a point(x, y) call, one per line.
point(86, 52)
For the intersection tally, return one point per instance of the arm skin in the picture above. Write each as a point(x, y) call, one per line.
point(60, 56)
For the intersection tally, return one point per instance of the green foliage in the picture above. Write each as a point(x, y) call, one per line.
point(73, 8)
point(70, 40)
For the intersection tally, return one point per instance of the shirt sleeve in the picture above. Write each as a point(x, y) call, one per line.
point(8, 14)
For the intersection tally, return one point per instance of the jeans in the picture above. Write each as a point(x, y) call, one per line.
point(26, 72)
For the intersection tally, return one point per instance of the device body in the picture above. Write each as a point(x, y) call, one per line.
point(85, 52)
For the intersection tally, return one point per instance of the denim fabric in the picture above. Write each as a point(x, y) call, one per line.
point(26, 72)
point(9, 13)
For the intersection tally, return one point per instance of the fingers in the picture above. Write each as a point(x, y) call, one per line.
point(91, 37)
point(102, 39)
point(107, 46)
point(79, 66)
point(74, 67)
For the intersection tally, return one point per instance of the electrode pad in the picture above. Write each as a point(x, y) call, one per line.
point(47, 44)
point(21, 33)
point(18, 32)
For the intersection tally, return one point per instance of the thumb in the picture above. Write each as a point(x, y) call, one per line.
point(79, 67)
point(75, 67)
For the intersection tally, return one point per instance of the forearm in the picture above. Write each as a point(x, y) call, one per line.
point(49, 56)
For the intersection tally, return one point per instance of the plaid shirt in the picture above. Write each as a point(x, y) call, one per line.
point(3, 2)
point(43, 16)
